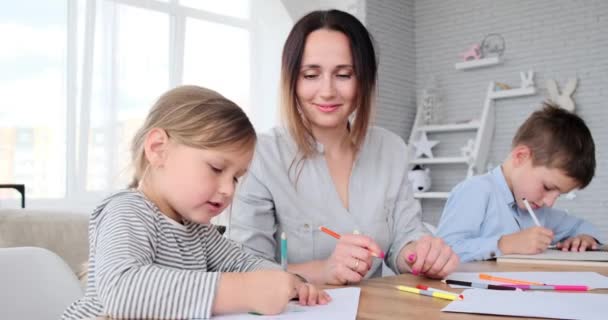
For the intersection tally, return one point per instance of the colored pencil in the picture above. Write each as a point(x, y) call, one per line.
point(527, 204)
point(284, 251)
point(428, 293)
point(423, 287)
point(558, 287)
point(480, 285)
point(337, 236)
point(507, 280)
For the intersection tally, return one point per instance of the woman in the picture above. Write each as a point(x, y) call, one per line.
point(325, 168)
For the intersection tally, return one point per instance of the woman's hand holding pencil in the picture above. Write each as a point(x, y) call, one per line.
point(351, 259)
point(429, 256)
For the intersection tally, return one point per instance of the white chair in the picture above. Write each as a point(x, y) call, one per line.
point(35, 283)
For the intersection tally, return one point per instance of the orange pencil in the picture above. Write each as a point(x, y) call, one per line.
point(337, 236)
point(330, 232)
point(507, 280)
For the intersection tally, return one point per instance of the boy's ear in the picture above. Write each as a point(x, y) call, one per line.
point(520, 154)
point(155, 147)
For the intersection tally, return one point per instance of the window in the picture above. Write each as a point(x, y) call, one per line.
point(79, 77)
point(33, 108)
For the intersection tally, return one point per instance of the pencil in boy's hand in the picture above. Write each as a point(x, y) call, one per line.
point(337, 236)
point(435, 294)
point(527, 204)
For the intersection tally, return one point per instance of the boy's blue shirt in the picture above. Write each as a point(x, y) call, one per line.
point(482, 209)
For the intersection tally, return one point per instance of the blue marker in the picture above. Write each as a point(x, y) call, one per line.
point(284, 251)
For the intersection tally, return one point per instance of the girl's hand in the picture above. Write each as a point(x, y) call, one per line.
point(310, 295)
point(269, 291)
point(429, 256)
point(581, 242)
point(351, 259)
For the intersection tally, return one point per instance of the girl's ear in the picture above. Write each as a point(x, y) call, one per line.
point(520, 154)
point(155, 147)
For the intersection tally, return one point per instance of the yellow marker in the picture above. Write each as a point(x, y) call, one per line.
point(447, 296)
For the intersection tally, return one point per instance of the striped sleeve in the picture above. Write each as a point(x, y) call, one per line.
point(225, 256)
point(130, 285)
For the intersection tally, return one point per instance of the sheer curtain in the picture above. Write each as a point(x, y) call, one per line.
point(83, 74)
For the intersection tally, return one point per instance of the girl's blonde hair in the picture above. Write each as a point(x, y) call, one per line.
point(196, 117)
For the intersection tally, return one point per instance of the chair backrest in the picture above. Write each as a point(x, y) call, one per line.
point(35, 283)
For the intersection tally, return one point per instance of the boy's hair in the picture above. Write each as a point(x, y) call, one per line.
point(364, 64)
point(196, 117)
point(559, 139)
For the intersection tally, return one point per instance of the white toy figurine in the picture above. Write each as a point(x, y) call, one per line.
point(564, 99)
point(527, 79)
point(420, 178)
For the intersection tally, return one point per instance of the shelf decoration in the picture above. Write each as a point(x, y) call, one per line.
point(473, 53)
point(489, 53)
point(498, 86)
point(467, 150)
point(570, 195)
point(423, 146)
point(493, 45)
point(527, 79)
point(420, 178)
point(564, 98)
point(430, 103)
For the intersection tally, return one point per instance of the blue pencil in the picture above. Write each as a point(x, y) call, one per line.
point(284, 251)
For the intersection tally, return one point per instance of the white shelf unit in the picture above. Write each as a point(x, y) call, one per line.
point(483, 129)
point(511, 93)
point(441, 160)
point(450, 127)
point(431, 195)
point(471, 64)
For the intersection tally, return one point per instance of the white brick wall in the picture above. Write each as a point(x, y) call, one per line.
point(391, 23)
point(557, 39)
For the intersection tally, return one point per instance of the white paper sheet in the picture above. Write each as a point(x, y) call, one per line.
point(344, 305)
point(593, 280)
point(562, 255)
point(532, 304)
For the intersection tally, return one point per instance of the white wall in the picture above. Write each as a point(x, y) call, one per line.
point(558, 39)
point(391, 23)
point(298, 8)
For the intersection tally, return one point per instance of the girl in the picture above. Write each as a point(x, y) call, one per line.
point(153, 251)
point(326, 167)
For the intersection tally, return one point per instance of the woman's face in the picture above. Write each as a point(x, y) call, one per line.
point(327, 85)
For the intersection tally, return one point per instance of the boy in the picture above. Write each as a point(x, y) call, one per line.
point(552, 153)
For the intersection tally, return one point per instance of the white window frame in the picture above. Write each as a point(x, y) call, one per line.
point(76, 198)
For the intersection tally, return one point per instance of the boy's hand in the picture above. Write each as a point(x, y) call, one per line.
point(309, 294)
point(429, 256)
point(528, 241)
point(581, 242)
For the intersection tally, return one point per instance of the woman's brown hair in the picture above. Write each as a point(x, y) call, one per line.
point(365, 69)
